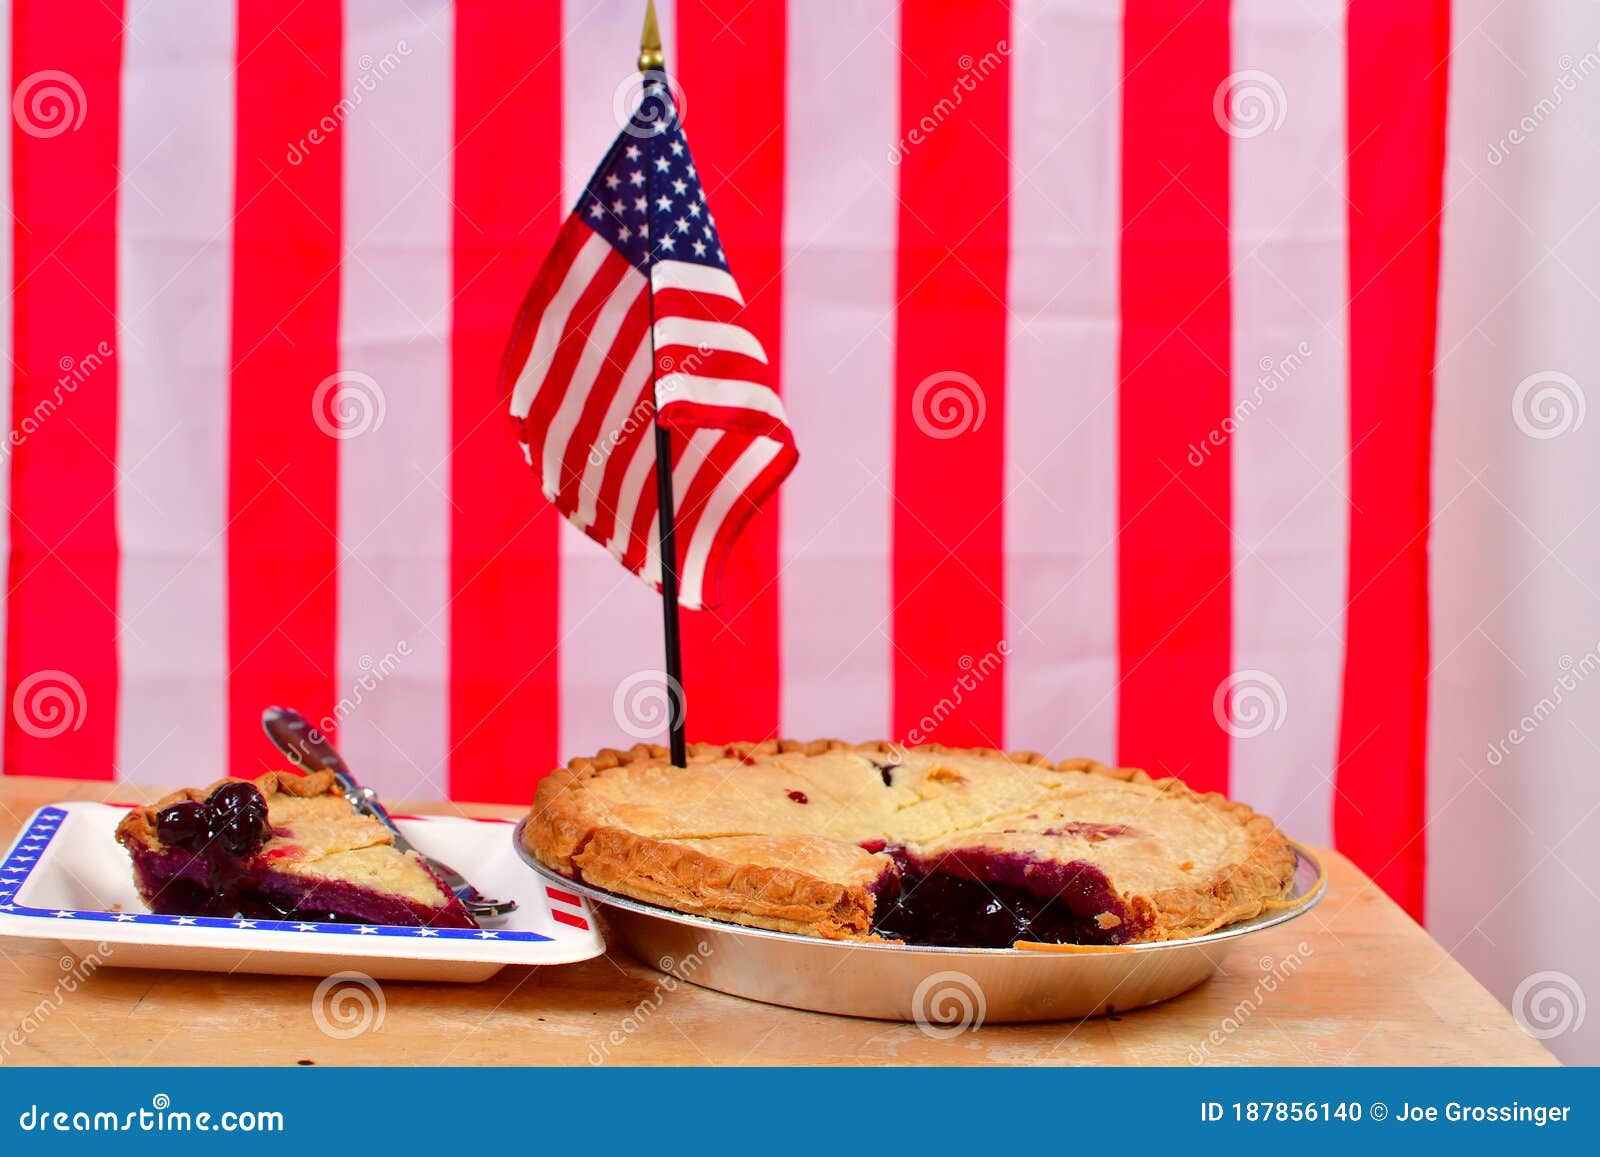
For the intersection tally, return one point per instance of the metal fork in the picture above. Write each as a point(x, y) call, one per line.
point(292, 734)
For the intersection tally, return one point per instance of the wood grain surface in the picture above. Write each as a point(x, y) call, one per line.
point(1370, 988)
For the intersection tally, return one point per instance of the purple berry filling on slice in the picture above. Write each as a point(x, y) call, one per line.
point(221, 856)
point(183, 825)
point(278, 896)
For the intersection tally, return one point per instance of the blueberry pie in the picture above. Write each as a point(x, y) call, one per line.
point(281, 847)
point(926, 845)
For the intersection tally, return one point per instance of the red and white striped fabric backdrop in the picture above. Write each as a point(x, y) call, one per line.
point(1094, 450)
point(1106, 331)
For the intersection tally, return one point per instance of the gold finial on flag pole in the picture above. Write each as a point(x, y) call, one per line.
point(650, 58)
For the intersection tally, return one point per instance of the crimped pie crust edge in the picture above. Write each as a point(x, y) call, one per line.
point(785, 899)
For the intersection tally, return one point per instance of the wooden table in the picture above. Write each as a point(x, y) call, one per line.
point(1370, 988)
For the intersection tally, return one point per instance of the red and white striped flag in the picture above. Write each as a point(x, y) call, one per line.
point(635, 319)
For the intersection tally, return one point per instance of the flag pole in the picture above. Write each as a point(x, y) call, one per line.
point(652, 60)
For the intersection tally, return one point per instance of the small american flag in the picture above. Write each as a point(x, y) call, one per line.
point(635, 319)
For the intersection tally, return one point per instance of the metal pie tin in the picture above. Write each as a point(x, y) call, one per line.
point(936, 987)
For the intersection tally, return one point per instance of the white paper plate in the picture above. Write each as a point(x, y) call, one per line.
point(67, 879)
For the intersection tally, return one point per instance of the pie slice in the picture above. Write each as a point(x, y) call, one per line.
point(926, 845)
point(281, 847)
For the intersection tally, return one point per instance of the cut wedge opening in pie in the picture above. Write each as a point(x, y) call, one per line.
point(926, 845)
point(281, 847)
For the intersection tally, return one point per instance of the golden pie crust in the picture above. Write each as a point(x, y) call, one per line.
point(790, 835)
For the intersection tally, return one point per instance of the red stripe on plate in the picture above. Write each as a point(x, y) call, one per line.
point(949, 441)
point(503, 560)
point(61, 662)
point(732, 67)
point(1397, 128)
point(561, 917)
point(1174, 552)
point(283, 458)
point(564, 897)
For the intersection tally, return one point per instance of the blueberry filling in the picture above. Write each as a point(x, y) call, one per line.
point(978, 898)
point(183, 825)
point(211, 867)
point(232, 821)
point(218, 837)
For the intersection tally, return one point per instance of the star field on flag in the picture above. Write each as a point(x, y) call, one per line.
point(635, 318)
